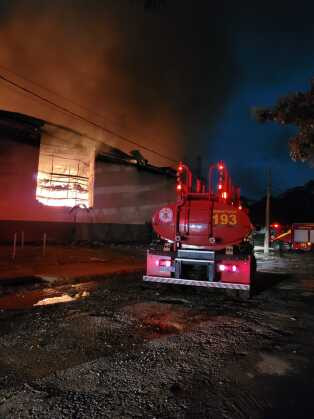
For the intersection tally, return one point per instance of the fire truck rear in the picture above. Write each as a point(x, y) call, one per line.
point(204, 235)
point(300, 236)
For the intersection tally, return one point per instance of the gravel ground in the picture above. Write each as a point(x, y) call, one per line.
point(128, 349)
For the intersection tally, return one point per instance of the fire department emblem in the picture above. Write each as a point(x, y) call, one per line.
point(166, 215)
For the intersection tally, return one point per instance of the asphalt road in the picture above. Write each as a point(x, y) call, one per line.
point(116, 347)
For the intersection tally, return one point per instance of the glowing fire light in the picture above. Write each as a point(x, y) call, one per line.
point(65, 175)
point(62, 190)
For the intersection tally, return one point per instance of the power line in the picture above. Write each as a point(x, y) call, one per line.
point(52, 92)
point(66, 110)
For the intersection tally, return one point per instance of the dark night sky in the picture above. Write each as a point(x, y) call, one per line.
point(188, 73)
point(273, 50)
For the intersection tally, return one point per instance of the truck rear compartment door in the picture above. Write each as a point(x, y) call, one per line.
point(301, 236)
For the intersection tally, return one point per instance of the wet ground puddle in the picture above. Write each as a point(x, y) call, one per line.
point(28, 292)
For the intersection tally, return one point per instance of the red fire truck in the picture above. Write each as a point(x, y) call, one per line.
point(204, 235)
point(299, 236)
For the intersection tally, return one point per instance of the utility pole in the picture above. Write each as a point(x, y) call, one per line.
point(267, 213)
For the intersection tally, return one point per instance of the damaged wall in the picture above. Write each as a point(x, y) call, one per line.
point(66, 168)
point(124, 195)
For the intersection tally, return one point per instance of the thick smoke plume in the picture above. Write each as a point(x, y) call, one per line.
point(159, 76)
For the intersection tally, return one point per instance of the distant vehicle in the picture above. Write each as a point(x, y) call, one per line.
point(204, 237)
point(299, 236)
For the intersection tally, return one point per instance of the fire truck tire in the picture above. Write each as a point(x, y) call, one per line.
point(243, 295)
point(230, 293)
point(238, 295)
point(253, 269)
point(253, 276)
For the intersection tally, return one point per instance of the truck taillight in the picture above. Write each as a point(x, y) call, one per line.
point(227, 268)
point(222, 267)
point(163, 262)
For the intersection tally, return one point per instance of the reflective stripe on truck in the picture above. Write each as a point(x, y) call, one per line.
point(207, 284)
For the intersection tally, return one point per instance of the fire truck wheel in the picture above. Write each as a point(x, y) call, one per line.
point(238, 295)
point(253, 271)
point(243, 295)
point(230, 293)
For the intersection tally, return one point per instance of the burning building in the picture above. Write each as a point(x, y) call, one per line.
point(57, 181)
